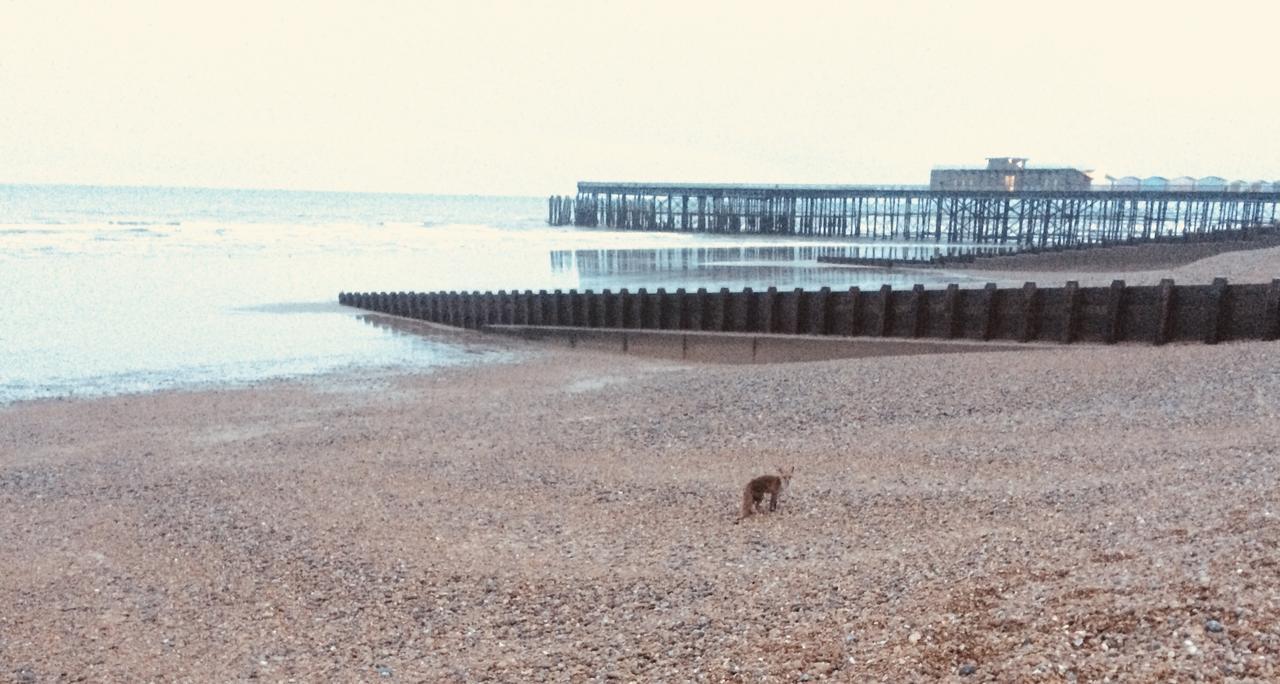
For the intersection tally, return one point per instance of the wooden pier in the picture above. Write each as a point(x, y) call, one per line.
point(1024, 218)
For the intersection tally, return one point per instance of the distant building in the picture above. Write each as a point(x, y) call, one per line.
point(1008, 174)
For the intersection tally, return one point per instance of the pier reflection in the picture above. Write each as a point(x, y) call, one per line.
point(781, 266)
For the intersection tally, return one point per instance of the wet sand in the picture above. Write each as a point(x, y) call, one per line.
point(1193, 264)
point(1050, 514)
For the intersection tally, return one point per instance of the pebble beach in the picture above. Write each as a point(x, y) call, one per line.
point(1082, 513)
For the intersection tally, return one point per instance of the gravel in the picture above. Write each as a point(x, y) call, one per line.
point(1043, 514)
point(1053, 514)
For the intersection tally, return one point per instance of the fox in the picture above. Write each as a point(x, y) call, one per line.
point(755, 490)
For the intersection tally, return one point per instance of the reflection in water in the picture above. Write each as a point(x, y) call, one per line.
point(451, 343)
point(781, 266)
point(436, 346)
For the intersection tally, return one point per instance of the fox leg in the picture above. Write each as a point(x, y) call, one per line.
point(773, 501)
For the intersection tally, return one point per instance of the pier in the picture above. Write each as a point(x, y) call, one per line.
point(1032, 218)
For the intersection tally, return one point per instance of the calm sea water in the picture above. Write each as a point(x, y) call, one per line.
point(110, 290)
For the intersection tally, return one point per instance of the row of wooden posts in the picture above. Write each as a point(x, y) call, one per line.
point(1119, 313)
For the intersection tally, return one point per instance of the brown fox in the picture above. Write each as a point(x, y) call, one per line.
point(755, 490)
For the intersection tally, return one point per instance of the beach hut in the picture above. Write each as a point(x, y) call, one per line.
point(1237, 186)
point(1211, 184)
point(1259, 186)
point(1155, 184)
point(1182, 184)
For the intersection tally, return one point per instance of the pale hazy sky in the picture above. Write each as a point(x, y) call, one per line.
point(529, 97)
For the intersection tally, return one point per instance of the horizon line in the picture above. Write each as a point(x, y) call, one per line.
point(126, 186)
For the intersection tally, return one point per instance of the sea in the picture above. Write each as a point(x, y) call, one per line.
point(111, 290)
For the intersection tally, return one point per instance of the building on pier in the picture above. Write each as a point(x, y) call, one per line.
point(1009, 174)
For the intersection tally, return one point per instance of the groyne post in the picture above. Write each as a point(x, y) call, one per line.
point(698, 310)
point(768, 309)
point(789, 311)
point(1072, 312)
point(1115, 311)
point(719, 302)
point(742, 308)
point(988, 311)
point(1273, 311)
point(1217, 310)
point(1030, 312)
point(1164, 312)
point(951, 308)
point(886, 311)
point(918, 310)
point(820, 312)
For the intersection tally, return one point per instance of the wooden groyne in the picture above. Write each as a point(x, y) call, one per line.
point(1119, 313)
point(1022, 218)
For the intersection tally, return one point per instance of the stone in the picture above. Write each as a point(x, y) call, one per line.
point(1213, 626)
point(966, 669)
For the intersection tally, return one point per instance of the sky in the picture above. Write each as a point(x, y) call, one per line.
point(527, 98)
